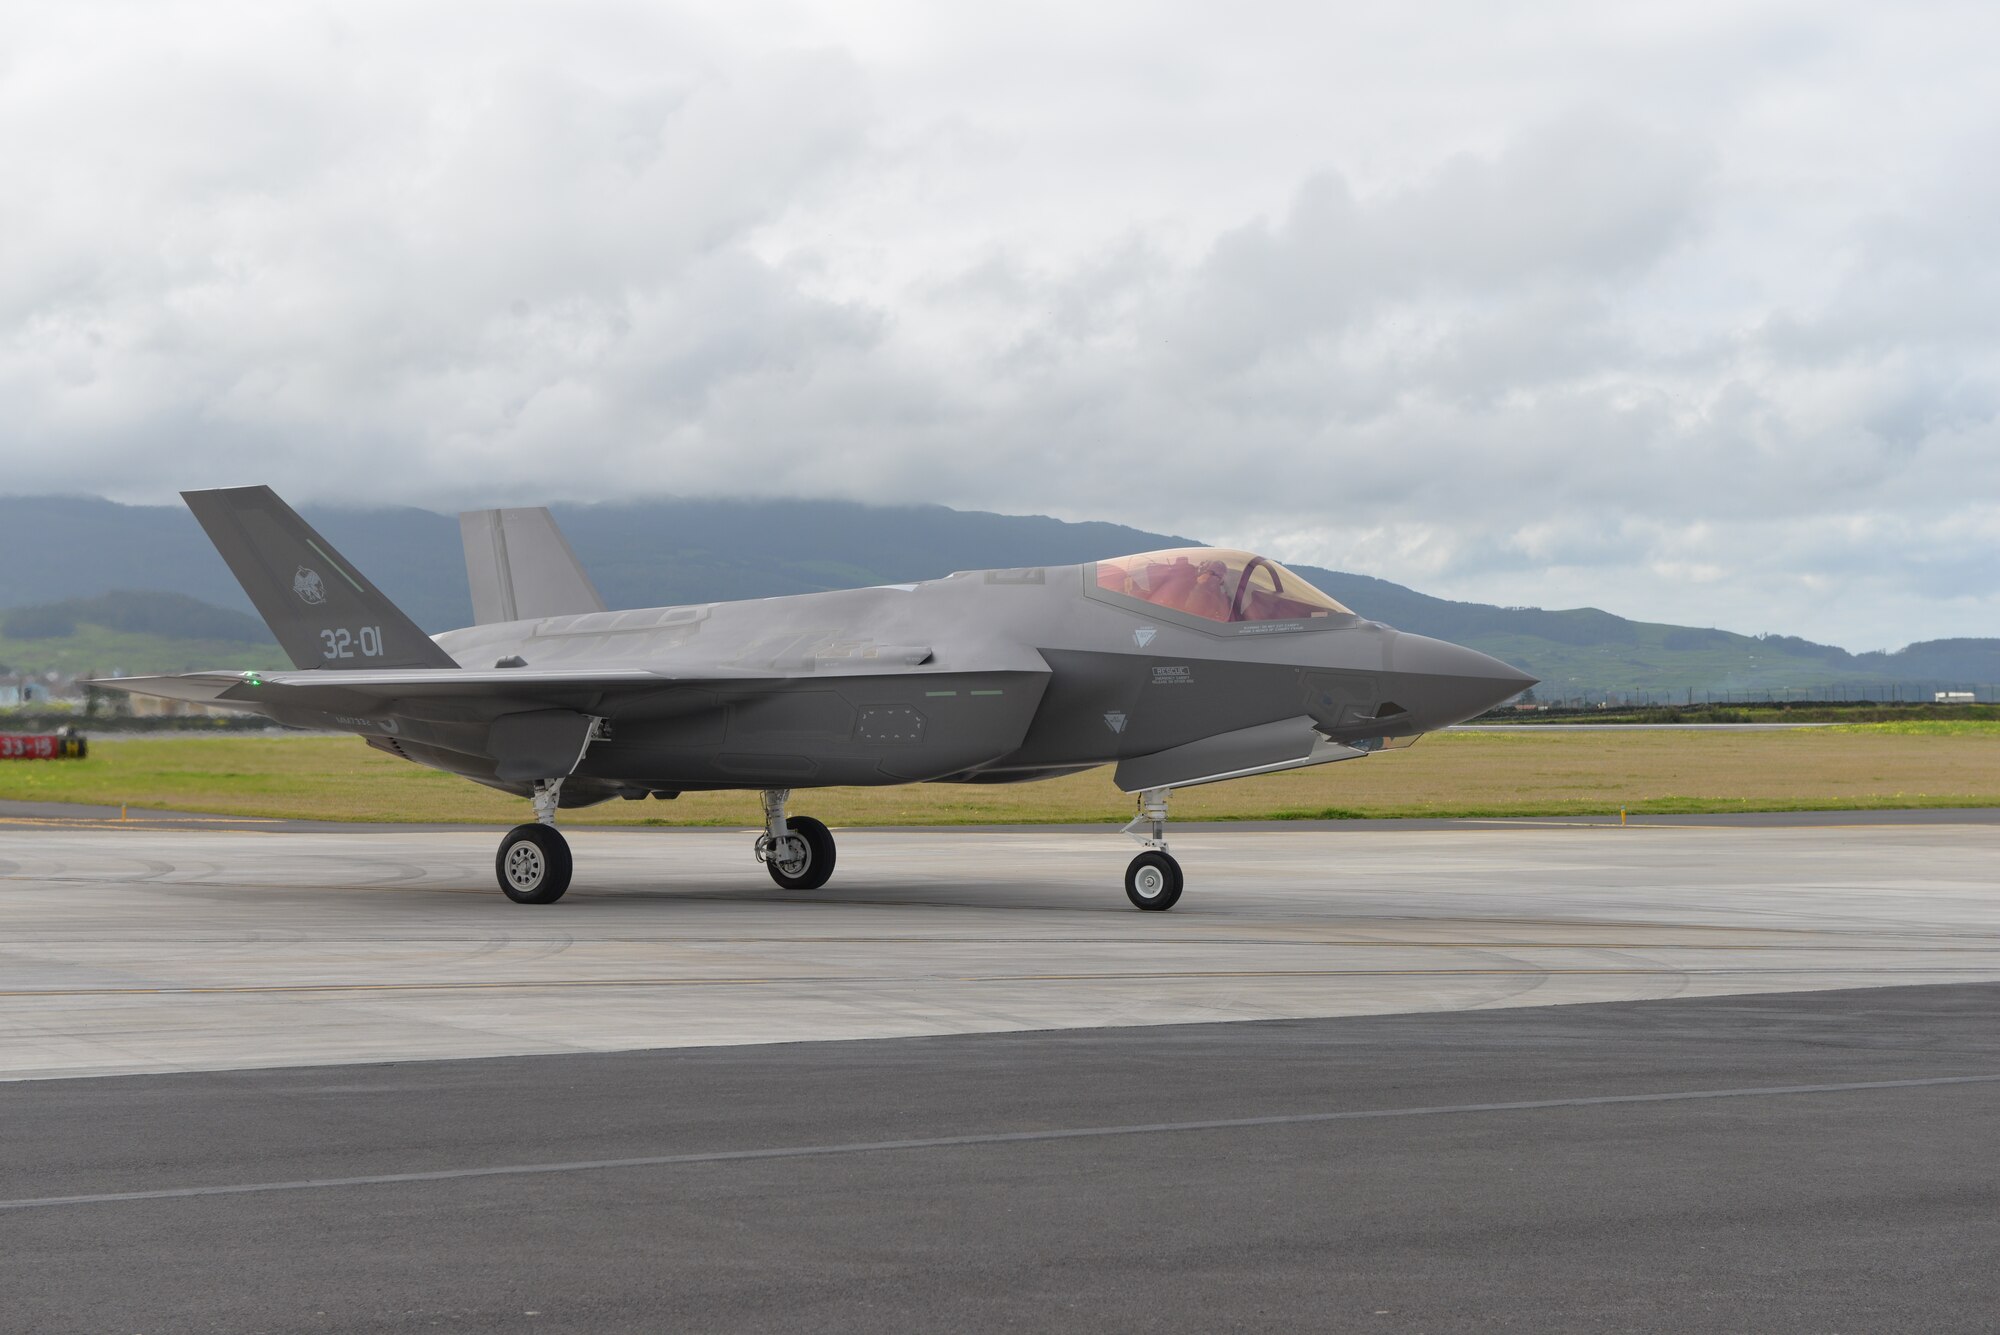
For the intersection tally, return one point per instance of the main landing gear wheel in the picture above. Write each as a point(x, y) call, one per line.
point(806, 858)
point(533, 864)
point(1153, 881)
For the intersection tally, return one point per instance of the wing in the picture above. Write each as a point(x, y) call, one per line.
point(503, 690)
point(512, 725)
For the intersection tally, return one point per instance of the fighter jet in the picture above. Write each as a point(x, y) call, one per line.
point(1179, 668)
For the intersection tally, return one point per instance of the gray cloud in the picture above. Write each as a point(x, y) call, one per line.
point(1686, 317)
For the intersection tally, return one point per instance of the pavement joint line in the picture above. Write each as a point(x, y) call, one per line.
point(148, 818)
point(988, 1138)
point(839, 980)
point(452, 944)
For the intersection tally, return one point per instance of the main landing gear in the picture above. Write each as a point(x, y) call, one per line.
point(798, 852)
point(534, 864)
point(1153, 880)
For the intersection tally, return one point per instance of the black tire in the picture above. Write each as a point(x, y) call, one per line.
point(533, 864)
point(1153, 881)
point(819, 856)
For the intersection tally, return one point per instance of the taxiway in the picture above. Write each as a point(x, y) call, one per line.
point(169, 946)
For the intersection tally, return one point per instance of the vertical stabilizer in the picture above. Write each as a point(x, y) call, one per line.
point(521, 567)
point(323, 612)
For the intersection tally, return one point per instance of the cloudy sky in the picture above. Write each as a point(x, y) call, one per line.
point(1689, 311)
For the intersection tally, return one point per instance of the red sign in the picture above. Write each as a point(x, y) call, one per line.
point(43, 746)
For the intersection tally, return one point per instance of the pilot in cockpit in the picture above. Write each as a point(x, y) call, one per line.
point(1200, 588)
point(1216, 585)
point(1208, 597)
point(1171, 586)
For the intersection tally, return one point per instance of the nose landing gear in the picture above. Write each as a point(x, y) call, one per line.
point(1153, 879)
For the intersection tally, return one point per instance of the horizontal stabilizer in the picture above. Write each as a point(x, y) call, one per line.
point(323, 612)
point(202, 688)
point(521, 567)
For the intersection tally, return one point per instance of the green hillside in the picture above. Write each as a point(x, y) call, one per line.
point(1731, 665)
point(130, 633)
point(1585, 651)
point(94, 650)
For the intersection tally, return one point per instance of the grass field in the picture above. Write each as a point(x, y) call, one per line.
point(1504, 773)
point(1928, 728)
point(1837, 712)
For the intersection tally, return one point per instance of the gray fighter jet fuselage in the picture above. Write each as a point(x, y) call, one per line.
point(1178, 667)
point(983, 676)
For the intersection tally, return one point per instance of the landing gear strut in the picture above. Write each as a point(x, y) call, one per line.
point(533, 865)
point(1153, 880)
point(798, 852)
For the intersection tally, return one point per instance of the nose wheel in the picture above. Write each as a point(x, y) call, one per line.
point(1153, 881)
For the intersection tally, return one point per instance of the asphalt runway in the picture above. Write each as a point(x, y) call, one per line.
point(1807, 1162)
point(182, 945)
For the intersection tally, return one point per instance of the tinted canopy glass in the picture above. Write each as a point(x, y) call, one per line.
point(1216, 583)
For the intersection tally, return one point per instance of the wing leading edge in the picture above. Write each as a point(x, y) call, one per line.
point(315, 689)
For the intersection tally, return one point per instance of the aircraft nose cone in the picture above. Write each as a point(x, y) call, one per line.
point(1448, 682)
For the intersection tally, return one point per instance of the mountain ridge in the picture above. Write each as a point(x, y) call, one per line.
point(660, 552)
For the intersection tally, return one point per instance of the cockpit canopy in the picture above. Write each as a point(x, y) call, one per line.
point(1216, 583)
